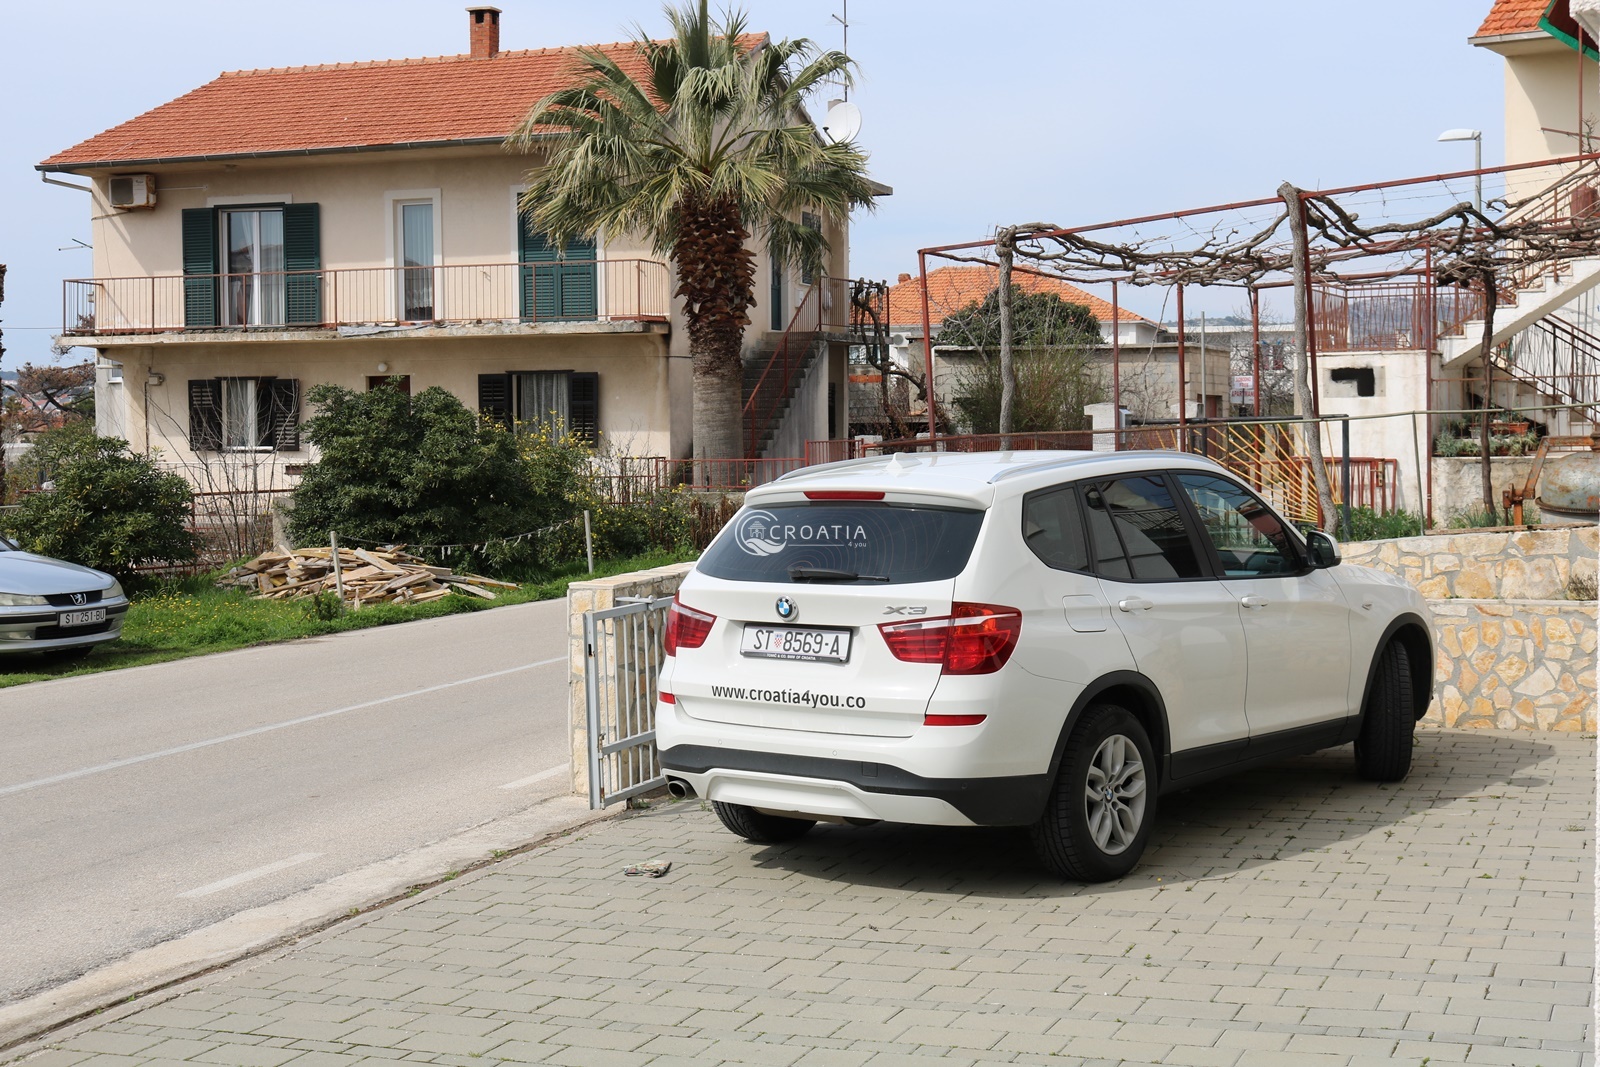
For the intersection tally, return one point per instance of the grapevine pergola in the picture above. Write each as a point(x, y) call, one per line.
point(1301, 238)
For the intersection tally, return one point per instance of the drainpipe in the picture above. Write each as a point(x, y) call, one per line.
point(65, 185)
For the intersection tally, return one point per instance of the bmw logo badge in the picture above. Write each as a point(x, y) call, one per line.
point(786, 609)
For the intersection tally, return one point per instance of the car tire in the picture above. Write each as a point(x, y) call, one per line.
point(1388, 722)
point(1101, 807)
point(758, 826)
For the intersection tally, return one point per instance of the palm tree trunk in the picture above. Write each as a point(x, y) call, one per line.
point(716, 280)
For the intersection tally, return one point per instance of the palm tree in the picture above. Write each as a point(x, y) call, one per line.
point(694, 144)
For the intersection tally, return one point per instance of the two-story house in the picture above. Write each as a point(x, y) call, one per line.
point(356, 222)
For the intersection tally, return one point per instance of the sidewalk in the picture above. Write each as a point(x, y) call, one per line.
point(1292, 916)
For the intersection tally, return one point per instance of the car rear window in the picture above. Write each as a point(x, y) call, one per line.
point(903, 543)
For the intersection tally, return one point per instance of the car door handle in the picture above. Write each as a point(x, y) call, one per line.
point(1253, 601)
point(1134, 603)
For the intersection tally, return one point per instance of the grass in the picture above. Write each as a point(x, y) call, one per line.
point(176, 620)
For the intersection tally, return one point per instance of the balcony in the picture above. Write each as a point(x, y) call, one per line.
point(482, 294)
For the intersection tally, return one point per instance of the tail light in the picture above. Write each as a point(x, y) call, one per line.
point(972, 639)
point(686, 627)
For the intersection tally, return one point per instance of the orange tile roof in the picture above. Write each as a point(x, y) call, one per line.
point(1512, 16)
point(384, 103)
point(953, 288)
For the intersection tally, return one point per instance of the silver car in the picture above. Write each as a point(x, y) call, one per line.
point(49, 605)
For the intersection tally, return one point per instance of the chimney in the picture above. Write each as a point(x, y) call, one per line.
point(484, 30)
point(904, 278)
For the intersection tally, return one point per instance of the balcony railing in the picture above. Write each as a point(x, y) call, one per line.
point(609, 290)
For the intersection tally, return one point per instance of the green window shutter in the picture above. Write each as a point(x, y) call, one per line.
point(200, 260)
point(278, 413)
point(583, 405)
point(494, 397)
point(577, 282)
point(302, 251)
point(205, 415)
point(551, 289)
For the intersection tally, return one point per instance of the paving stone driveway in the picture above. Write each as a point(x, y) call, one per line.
point(1291, 916)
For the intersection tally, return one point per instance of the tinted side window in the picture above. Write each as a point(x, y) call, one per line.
point(1052, 528)
point(1149, 530)
point(1249, 539)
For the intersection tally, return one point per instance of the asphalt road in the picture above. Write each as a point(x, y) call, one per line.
point(139, 805)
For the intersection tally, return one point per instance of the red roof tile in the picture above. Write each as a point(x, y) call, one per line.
point(342, 106)
point(1512, 16)
point(953, 288)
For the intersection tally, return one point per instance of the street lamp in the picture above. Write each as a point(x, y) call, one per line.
point(1476, 137)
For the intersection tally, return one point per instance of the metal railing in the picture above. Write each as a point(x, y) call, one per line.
point(825, 308)
point(1388, 317)
point(1560, 359)
point(558, 291)
point(622, 660)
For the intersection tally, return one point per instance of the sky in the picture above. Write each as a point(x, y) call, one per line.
point(977, 115)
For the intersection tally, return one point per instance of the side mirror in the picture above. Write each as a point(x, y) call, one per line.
point(1322, 550)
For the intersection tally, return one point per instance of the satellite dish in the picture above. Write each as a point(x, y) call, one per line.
point(843, 122)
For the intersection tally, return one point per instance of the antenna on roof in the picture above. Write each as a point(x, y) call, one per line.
point(844, 20)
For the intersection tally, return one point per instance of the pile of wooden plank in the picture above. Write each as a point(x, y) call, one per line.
point(367, 576)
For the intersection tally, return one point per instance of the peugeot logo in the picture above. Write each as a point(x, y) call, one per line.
point(787, 611)
point(80, 599)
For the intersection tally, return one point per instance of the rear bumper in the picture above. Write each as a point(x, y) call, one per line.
point(849, 789)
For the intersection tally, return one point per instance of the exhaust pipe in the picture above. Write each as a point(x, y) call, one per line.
point(680, 788)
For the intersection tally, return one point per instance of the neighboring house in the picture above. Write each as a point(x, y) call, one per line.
point(1146, 353)
point(356, 222)
point(1546, 333)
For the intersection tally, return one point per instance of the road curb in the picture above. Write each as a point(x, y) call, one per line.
point(348, 897)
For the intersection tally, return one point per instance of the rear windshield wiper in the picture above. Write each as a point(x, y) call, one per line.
point(828, 574)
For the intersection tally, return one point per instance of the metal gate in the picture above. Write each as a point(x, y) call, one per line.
point(622, 658)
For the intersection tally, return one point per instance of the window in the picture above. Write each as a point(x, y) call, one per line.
point(244, 414)
point(898, 542)
point(1353, 381)
point(1250, 540)
point(414, 251)
point(401, 382)
point(1052, 528)
point(810, 222)
point(543, 398)
point(1137, 530)
point(775, 294)
point(557, 283)
point(252, 267)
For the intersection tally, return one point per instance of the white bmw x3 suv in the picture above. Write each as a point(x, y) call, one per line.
point(1044, 639)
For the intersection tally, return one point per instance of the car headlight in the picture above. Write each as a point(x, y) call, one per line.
point(114, 592)
point(20, 600)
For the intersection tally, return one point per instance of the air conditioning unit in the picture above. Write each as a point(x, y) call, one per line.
point(131, 192)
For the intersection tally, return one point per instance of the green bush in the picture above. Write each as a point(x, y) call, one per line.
point(109, 509)
point(1369, 525)
point(423, 471)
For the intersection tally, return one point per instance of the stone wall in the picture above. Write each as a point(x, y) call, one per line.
point(1458, 482)
point(1514, 664)
point(1502, 565)
point(596, 595)
point(1515, 640)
